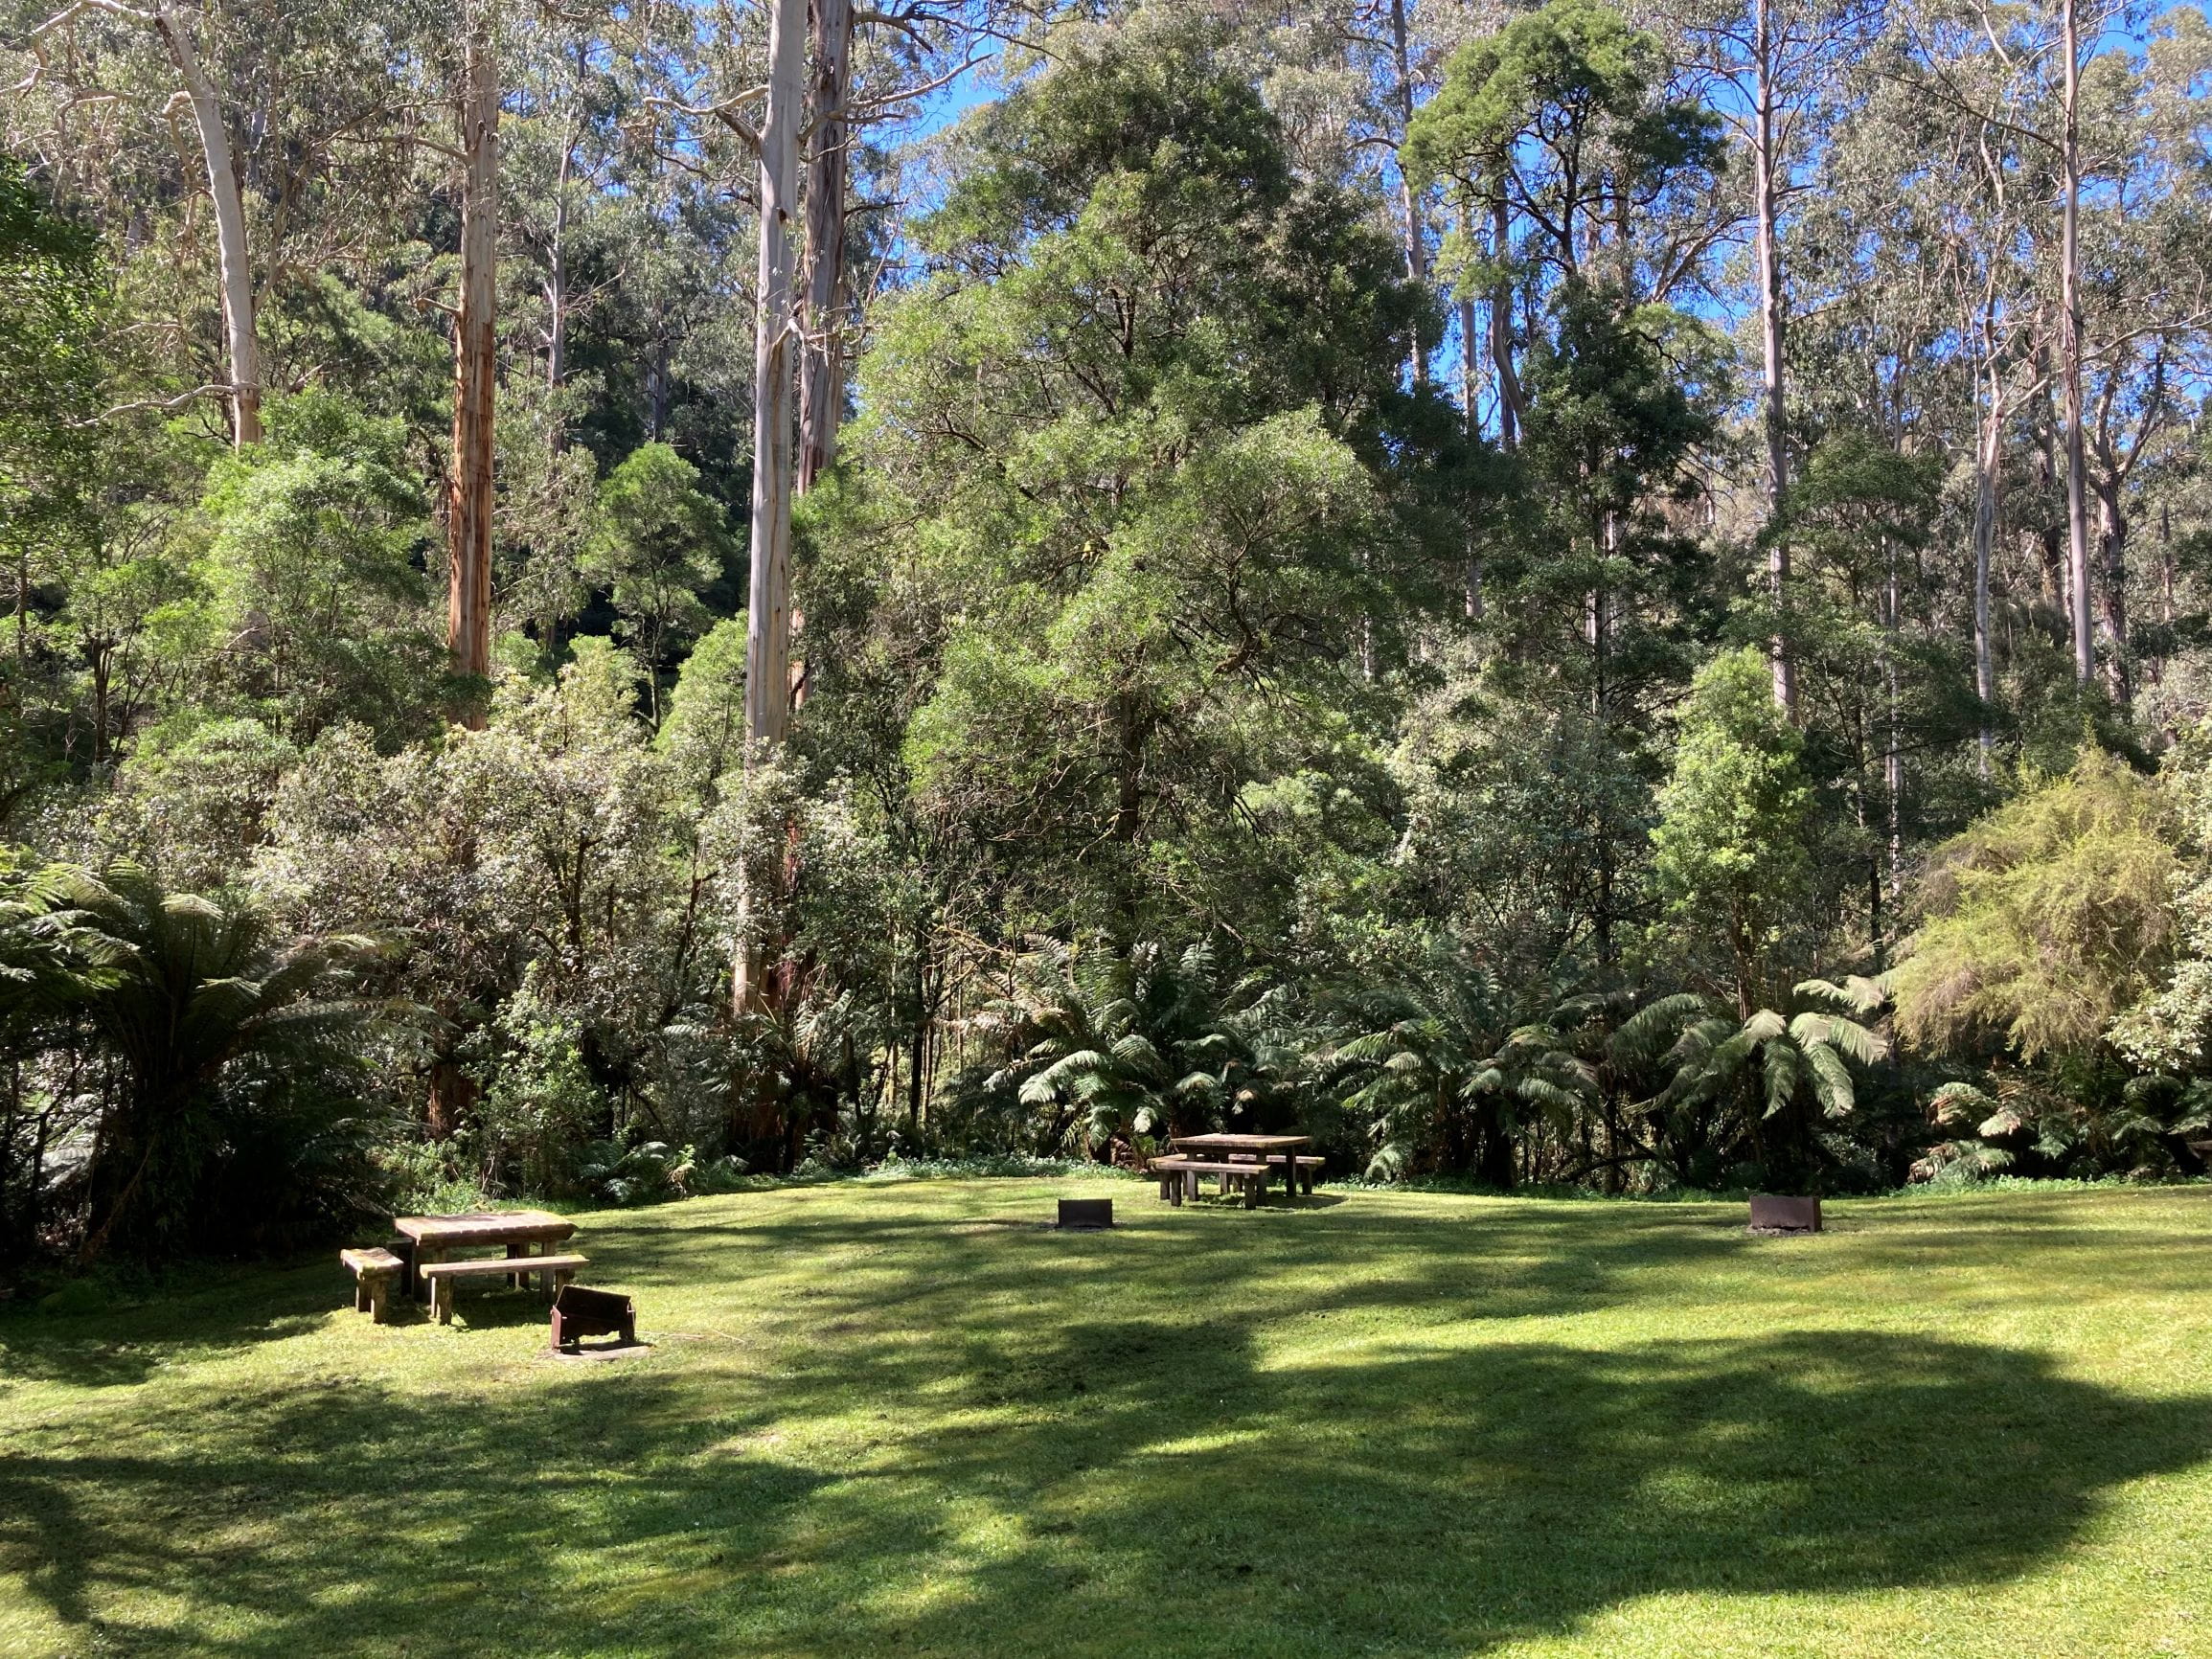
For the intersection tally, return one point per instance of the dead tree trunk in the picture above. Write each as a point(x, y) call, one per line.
point(468, 498)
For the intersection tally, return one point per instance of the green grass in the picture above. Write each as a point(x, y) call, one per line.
point(901, 1418)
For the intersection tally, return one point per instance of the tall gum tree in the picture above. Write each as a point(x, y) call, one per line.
point(234, 261)
point(470, 494)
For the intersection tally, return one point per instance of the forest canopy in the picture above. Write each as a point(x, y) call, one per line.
point(605, 600)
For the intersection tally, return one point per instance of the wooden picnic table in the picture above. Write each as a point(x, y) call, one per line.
point(1259, 1143)
point(1258, 1148)
point(441, 1237)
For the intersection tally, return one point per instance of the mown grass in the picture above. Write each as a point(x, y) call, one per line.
point(902, 1417)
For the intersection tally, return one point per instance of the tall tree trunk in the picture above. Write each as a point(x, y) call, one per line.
point(1986, 453)
point(556, 280)
point(468, 493)
point(1892, 743)
point(1770, 323)
point(2071, 352)
point(240, 345)
point(1408, 199)
point(1509, 403)
point(2112, 545)
point(1469, 380)
point(822, 378)
point(768, 613)
point(2051, 533)
point(775, 333)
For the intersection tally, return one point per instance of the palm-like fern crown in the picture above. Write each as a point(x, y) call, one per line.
point(1137, 1042)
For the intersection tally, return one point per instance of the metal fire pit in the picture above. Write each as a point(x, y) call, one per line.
point(1085, 1215)
point(1778, 1215)
point(579, 1312)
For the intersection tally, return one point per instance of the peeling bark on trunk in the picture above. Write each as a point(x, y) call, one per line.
point(468, 493)
point(822, 378)
point(767, 621)
point(240, 345)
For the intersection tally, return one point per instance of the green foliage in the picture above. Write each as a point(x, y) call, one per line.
point(1442, 1073)
point(1128, 284)
point(1129, 1049)
point(315, 605)
point(1564, 108)
point(234, 1123)
point(660, 543)
point(1731, 856)
point(2045, 919)
point(53, 305)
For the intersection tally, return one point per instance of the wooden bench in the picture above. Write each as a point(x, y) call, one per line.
point(374, 1272)
point(441, 1275)
point(1307, 1169)
point(1180, 1175)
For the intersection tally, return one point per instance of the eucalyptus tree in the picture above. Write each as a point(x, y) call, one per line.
point(468, 498)
point(286, 106)
point(1782, 62)
point(1146, 408)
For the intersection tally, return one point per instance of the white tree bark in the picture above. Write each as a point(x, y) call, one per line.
point(1409, 204)
point(2071, 351)
point(775, 334)
point(1988, 458)
point(469, 487)
point(236, 266)
point(822, 380)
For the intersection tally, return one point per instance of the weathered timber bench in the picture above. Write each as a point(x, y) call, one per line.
point(1301, 1170)
point(375, 1271)
point(1182, 1177)
point(441, 1275)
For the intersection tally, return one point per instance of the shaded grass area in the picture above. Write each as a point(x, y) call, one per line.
point(905, 1419)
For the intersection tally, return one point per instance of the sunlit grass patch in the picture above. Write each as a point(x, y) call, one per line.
point(905, 1416)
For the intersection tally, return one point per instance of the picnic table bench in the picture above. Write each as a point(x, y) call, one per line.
point(437, 1238)
point(1180, 1175)
point(374, 1272)
point(1243, 1160)
point(440, 1276)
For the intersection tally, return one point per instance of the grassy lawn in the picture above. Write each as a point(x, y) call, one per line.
point(903, 1418)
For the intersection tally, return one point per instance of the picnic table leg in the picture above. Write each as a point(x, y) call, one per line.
point(514, 1252)
point(424, 1252)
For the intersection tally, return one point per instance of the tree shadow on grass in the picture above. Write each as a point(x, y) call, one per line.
point(225, 1308)
point(1104, 1487)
